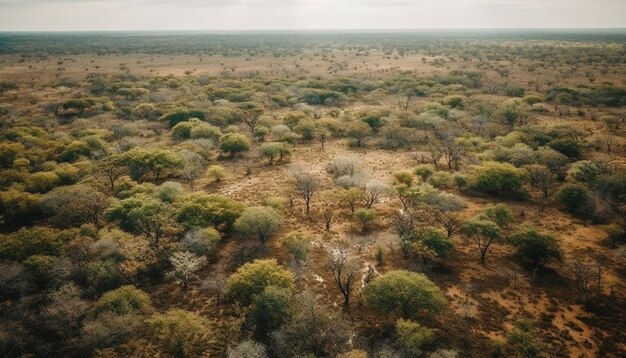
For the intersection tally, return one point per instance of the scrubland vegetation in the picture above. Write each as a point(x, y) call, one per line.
point(313, 195)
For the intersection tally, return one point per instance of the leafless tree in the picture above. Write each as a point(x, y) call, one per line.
point(307, 184)
point(374, 191)
point(344, 269)
point(327, 215)
point(215, 284)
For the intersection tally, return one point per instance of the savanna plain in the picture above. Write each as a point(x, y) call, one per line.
point(313, 194)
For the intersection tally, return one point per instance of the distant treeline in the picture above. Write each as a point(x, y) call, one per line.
point(289, 43)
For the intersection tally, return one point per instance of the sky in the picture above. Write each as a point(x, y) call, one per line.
point(118, 15)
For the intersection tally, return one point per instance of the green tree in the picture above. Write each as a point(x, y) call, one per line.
point(483, 233)
point(273, 150)
point(499, 214)
point(536, 247)
point(404, 292)
point(365, 217)
point(141, 161)
point(143, 214)
point(253, 277)
point(259, 221)
point(74, 205)
point(199, 210)
point(434, 241)
point(351, 196)
point(270, 309)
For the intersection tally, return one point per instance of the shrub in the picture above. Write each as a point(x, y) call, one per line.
point(42, 182)
point(18, 207)
point(500, 179)
point(424, 171)
point(8, 153)
point(270, 309)
point(523, 340)
point(575, 198)
point(216, 172)
point(173, 118)
point(247, 349)
point(584, 171)
point(33, 241)
point(252, 278)
point(297, 245)
point(358, 131)
point(499, 214)
point(201, 242)
point(74, 151)
point(74, 205)
point(205, 131)
point(406, 293)
point(612, 185)
point(259, 221)
point(432, 240)
point(181, 333)
point(68, 173)
point(403, 177)
point(234, 144)
point(535, 247)
point(201, 210)
point(365, 217)
point(413, 337)
point(182, 130)
point(567, 147)
point(124, 300)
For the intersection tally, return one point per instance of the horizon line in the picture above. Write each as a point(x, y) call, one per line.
point(266, 30)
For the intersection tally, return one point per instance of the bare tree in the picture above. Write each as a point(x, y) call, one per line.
point(452, 152)
point(450, 221)
point(307, 184)
point(344, 270)
point(540, 177)
point(374, 191)
point(216, 285)
point(327, 215)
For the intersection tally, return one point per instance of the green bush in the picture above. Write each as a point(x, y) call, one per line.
point(201, 210)
point(234, 144)
point(536, 247)
point(124, 300)
point(261, 222)
point(252, 278)
point(408, 294)
point(33, 241)
point(42, 182)
point(501, 179)
point(173, 118)
point(567, 147)
point(575, 198)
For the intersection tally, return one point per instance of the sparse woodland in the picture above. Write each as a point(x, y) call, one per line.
point(313, 195)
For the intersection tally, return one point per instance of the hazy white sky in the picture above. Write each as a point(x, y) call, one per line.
point(18, 15)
